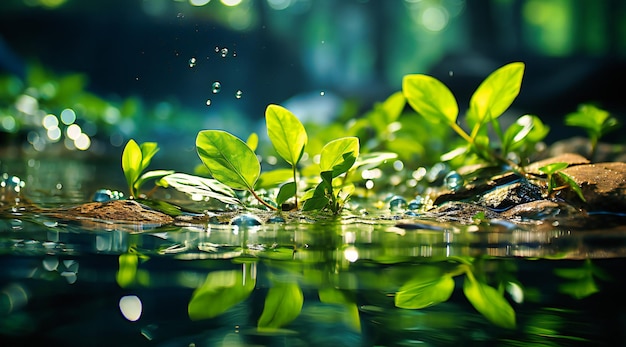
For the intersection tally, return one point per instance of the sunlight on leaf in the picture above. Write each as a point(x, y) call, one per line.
point(131, 163)
point(430, 98)
point(497, 92)
point(229, 159)
point(286, 191)
point(332, 154)
point(286, 133)
point(200, 186)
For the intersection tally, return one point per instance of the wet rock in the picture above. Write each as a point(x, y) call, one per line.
point(540, 210)
point(118, 211)
point(509, 195)
point(603, 185)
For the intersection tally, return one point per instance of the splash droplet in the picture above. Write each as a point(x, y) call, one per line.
point(322, 93)
point(208, 102)
point(192, 62)
point(238, 94)
point(217, 49)
point(216, 87)
point(450, 73)
point(224, 52)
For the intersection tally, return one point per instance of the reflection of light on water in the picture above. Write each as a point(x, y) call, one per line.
point(351, 254)
point(131, 307)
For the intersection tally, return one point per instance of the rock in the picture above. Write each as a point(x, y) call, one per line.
point(509, 195)
point(570, 158)
point(603, 185)
point(117, 211)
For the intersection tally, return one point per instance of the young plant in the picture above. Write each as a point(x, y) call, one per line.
point(433, 100)
point(289, 138)
point(337, 158)
point(554, 171)
point(230, 161)
point(595, 121)
point(135, 159)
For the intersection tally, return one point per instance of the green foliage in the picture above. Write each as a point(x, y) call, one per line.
point(289, 138)
point(433, 100)
point(283, 304)
point(554, 172)
point(489, 302)
point(596, 122)
point(580, 282)
point(336, 158)
point(434, 284)
point(135, 159)
point(429, 286)
point(220, 291)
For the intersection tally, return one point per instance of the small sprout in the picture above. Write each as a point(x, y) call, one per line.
point(553, 171)
point(595, 121)
point(135, 159)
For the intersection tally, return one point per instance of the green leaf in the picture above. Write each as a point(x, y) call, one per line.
point(489, 302)
point(497, 92)
point(339, 152)
point(430, 286)
point(285, 192)
point(430, 98)
point(283, 304)
point(374, 159)
point(148, 150)
point(553, 167)
point(253, 141)
point(229, 159)
point(393, 107)
point(572, 184)
point(151, 175)
point(131, 163)
point(315, 199)
point(273, 178)
point(205, 187)
point(220, 291)
point(286, 133)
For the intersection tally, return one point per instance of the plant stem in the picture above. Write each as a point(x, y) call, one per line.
point(262, 201)
point(295, 181)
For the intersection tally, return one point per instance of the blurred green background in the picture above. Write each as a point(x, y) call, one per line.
point(85, 76)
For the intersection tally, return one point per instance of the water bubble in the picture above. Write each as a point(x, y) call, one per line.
point(224, 52)
point(238, 94)
point(180, 15)
point(216, 87)
point(322, 93)
point(453, 181)
point(208, 102)
point(416, 203)
point(451, 73)
point(246, 220)
point(104, 195)
point(234, 54)
point(217, 49)
point(192, 62)
point(397, 203)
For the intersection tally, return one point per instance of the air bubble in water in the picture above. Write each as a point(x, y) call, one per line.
point(192, 62)
point(238, 94)
point(453, 181)
point(216, 87)
point(224, 52)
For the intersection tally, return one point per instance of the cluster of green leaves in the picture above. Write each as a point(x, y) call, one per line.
point(135, 160)
point(432, 99)
point(234, 163)
point(432, 284)
point(596, 122)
